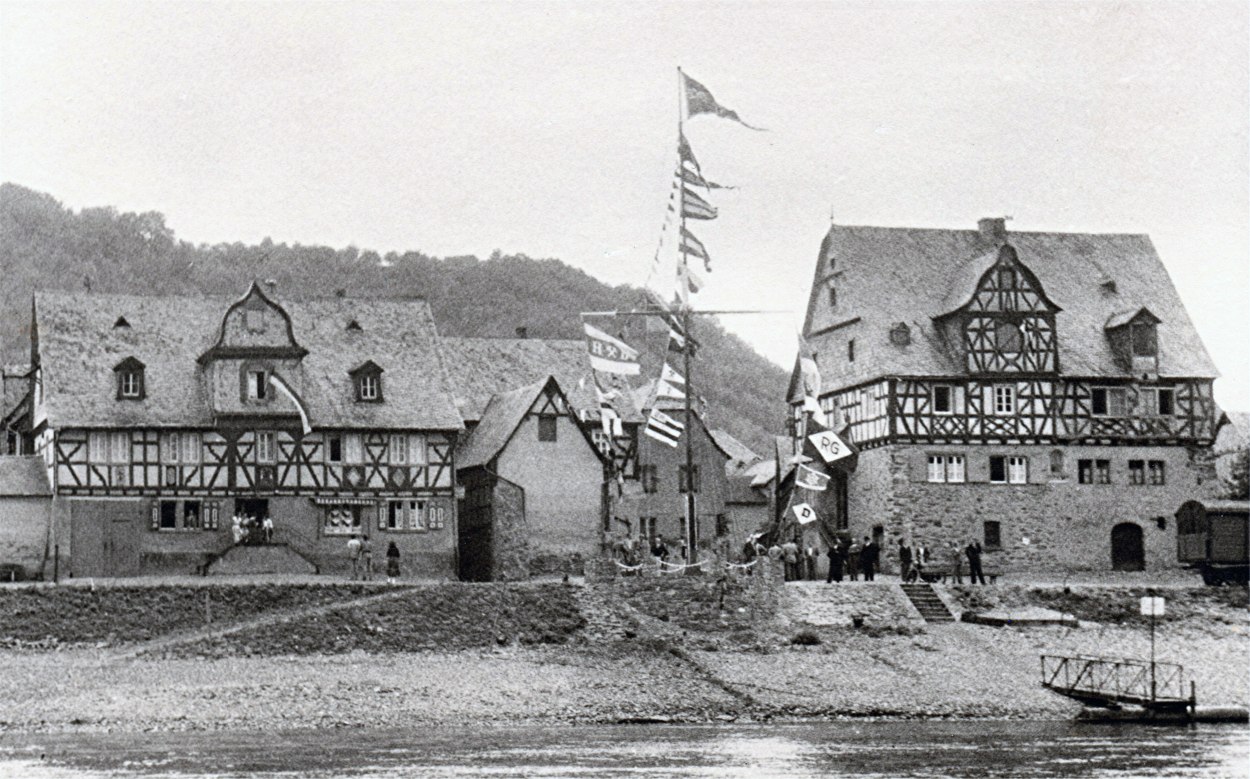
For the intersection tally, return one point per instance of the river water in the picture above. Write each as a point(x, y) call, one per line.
point(890, 750)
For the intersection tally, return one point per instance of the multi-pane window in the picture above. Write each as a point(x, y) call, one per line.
point(1157, 402)
point(397, 450)
point(1156, 472)
point(948, 468)
point(942, 404)
point(370, 386)
point(1093, 471)
point(1018, 470)
point(180, 448)
point(1136, 472)
point(547, 427)
point(1004, 399)
point(993, 531)
point(412, 515)
point(266, 446)
point(109, 448)
point(417, 449)
point(1108, 401)
point(682, 481)
point(131, 382)
point(184, 515)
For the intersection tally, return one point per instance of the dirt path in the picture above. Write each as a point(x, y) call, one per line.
point(273, 618)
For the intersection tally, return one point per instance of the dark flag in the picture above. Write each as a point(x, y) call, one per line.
point(699, 100)
point(686, 153)
point(695, 207)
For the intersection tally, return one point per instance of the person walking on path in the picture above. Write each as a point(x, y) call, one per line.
point(868, 559)
point(392, 563)
point(366, 558)
point(973, 551)
point(852, 560)
point(955, 559)
point(353, 551)
point(904, 561)
point(837, 556)
point(267, 527)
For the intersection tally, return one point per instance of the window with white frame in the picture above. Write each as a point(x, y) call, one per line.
point(404, 515)
point(416, 449)
point(119, 446)
point(370, 386)
point(946, 468)
point(191, 448)
point(998, 469)
point(266, 446)
point(397, 449)
point(171, 448)
point(1108, 401)
point(257, 382)
point(1018, 470)
point(1004, 399)
point(353, 449)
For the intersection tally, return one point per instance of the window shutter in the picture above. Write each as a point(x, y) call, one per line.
point(156, 515)
point(382, 507)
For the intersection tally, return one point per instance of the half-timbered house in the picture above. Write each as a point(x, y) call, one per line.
point(160, 418)
point(1044, 394)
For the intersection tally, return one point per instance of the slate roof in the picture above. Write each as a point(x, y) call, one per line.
point(886, 275)
point(739, 453)
point(24, 477)
point(502, 416)
point(1235, 435)
point(480, 368)
point(79, 347)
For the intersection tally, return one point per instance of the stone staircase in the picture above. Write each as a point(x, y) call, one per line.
point(263, 558)
point(927, 603)
point(856, 604)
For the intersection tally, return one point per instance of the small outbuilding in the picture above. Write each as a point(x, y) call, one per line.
point(26, 540)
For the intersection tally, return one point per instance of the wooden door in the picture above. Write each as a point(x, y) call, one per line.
point(122, 546)
point(1127, 551)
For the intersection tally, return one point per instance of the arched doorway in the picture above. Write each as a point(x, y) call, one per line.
point(1127, 552)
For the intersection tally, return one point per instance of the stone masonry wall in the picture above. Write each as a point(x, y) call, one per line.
point(1067, 525)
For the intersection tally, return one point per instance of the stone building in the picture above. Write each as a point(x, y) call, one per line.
point(534, 488)
point(26, 542)
point(161, 418)
point(1044, 394)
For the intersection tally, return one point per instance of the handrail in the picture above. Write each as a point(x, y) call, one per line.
point(1114, 678)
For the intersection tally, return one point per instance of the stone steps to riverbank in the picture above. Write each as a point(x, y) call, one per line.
point(927, 602)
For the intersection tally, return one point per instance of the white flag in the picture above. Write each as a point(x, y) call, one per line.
point(610, 355)
point(664, 428)
point(830, 445)
point(671, 376)
point(811, 479)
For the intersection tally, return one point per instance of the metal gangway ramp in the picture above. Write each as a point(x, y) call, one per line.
point(1111, 682)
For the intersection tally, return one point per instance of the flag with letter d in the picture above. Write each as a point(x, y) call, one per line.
point(610, 355)
point(804, 513)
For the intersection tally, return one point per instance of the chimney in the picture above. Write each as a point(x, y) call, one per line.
point(993, 230)
point(522, 332)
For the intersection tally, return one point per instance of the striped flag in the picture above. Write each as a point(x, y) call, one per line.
point(695, 207)
point(696, 178)
point(664, 428)
point(279, 383)
point(671, 376)
point(663, 389)
point(608, 354)
point(693, 246)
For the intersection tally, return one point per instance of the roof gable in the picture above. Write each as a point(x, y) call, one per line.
point(503, 416)
point(255, 326)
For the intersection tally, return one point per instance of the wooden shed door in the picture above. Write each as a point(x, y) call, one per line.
point(1127, 552)
point(121, 546)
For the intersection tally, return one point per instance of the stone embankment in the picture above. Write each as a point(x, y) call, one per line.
point(681, 648)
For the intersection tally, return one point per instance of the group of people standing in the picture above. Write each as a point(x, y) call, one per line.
point(247, 529)
point(914, 560)
point(361, 553)
point(852, 559)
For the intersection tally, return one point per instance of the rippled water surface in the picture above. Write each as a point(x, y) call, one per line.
point(878, 749)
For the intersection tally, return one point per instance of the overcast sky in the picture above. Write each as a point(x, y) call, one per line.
point(549, 129)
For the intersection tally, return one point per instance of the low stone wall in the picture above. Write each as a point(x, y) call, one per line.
point(873, 605)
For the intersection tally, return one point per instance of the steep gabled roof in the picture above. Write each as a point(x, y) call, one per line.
point(738, 451)
point(504, 413)
point(78, 347)
point(24, 477)
point(888, 274)
point(480, 368)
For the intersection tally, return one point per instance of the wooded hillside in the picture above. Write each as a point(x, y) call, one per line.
point(44, 245)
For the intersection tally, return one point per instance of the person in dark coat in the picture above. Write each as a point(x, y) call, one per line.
point(837, 558)
point(868, 559)
point(392, 563)
point(904, 561)
point(852, 560)
point(973, 551)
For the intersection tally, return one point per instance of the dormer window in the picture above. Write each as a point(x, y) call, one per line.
point(1144, 339)
point(130, 385)
point(353, 326)
point(368, 382)
point(121, 323)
